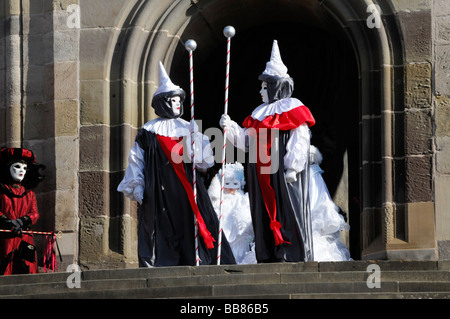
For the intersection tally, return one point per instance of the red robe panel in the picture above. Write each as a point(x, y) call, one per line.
point(14, 208)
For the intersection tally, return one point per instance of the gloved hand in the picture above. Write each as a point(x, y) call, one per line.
point(16, 226)
point(224, 120)
point(290, 175)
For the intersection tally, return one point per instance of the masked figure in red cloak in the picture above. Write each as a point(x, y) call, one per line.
point(18, 210)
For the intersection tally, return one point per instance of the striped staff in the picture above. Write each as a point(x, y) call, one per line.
point(228, 32)
point(190, 46)
point(32, 232)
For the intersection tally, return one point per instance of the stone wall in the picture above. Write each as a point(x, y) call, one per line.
point(441, 117)
point(40, 105)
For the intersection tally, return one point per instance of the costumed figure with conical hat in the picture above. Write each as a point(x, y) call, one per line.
point(19, 175)
point(159, 178)
point(277, 137)
point(327, 222)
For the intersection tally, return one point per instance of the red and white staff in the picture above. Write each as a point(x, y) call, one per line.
point(32, 232)
point(228, 32)
point(190, 46)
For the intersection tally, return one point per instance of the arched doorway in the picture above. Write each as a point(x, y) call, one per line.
point(343, 70)
point(321, 61)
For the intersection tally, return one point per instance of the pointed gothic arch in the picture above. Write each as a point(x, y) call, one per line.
point(386, 224)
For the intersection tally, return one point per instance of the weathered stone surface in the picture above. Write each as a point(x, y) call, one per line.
point(443, 154)
point(418, 132)
point(66, 117)
point(66, 45)
point(66, 162)
point(418, 85)
point(66, 212)
point(442, 184)
point(416, 29)
point(95, 52)
point(92, 238)
point(34, 82)
point(442, 67)
point(93, 99)
point(441, 8)
point(444, 249)
point(93, 195)
point(419, 179)
point(34, 118)
point(103, 13)
point(66, 80)
point(411, 5)
point(442, 116)
point(95, 147)
point(61, 81)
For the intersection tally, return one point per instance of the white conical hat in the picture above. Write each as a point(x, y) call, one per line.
point(165, 84)
point(276, 67)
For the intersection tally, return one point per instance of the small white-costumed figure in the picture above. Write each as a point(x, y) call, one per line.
point(327, 223)
point(236, 218)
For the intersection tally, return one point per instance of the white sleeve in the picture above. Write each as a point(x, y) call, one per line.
point(297, 148)
point(204, 156)
point(132, 185)
point(203, 152)
point(237, 135)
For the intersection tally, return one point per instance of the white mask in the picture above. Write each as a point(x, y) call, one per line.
point(18, 171)
point(264, 93)
point(176, 105)
point(231, 185)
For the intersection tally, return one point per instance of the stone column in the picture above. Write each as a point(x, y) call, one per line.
point(51, 113)
point(13, 79)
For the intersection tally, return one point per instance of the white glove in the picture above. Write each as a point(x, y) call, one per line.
point(225, 120)
point(290, 176)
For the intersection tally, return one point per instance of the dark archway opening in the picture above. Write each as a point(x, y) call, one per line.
point(323, 65)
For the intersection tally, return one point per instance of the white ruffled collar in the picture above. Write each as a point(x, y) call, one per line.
point(169, 127)
point(277, 107)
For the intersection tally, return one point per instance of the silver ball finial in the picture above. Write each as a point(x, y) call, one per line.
point(229, 31)
point(190, 45)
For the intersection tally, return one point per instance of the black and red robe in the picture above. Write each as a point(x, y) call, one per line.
point(280, 210)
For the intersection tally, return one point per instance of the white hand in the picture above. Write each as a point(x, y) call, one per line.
point(224, 120)
point(290, 175)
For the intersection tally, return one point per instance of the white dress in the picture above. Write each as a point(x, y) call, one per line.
point(236, 221)
point(327, 223)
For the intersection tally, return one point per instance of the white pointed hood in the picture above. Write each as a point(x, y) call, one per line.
point(276, 67)
point(165, 84)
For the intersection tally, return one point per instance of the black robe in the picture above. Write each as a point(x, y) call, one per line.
point(165, 219)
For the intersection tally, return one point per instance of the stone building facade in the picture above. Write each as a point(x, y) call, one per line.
point(77, 77)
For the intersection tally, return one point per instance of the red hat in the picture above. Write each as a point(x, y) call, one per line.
point(16, 154)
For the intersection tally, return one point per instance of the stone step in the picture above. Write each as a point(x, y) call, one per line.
point(279, 280)
point(323, 267)
point(58, 281)
point(293, 290)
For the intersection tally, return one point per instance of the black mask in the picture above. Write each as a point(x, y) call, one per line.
point(278, 88)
